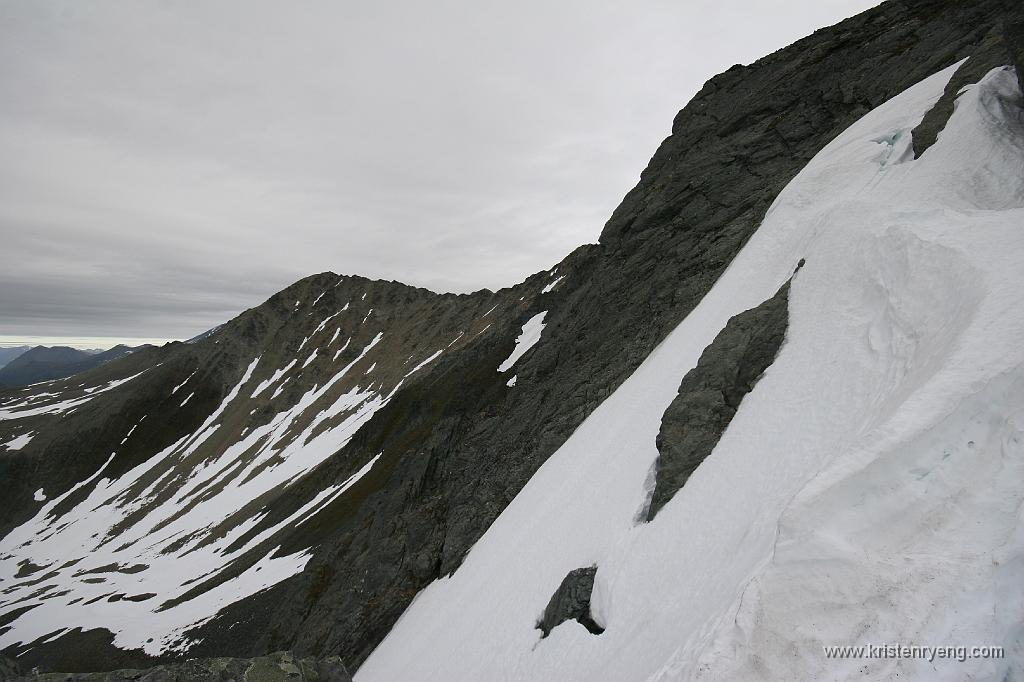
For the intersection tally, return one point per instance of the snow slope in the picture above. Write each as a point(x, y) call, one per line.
point(867, 490)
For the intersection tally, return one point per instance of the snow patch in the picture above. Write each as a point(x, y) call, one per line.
point(552, 285)
point(423, 364)
point(18, 442)
point(266, 383)
point(175, 389)
point(525, 341)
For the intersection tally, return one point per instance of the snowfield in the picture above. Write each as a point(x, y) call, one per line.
point(868, 490)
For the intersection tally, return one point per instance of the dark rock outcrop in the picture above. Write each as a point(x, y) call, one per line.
point(711, 392)
point(1000, 46)
point(9, 669)
point(277, 667)
point(1013, 36)
point(571, 601)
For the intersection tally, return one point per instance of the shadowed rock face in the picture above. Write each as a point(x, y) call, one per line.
point(9, 669)
point(456, 443)
point(1013, 36)
point(1002, 45)
point(571, 601)
point(711, 392)
point(278, 667)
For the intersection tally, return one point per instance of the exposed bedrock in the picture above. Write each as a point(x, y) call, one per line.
point(571, 601)
point(1013, 35)
point(711, 392)
point(1002, 45)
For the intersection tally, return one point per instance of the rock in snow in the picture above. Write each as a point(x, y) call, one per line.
point(710, 393)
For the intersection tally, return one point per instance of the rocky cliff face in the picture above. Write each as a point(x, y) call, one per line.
point(293, 480)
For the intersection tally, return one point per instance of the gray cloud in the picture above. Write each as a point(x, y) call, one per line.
point(165, 165)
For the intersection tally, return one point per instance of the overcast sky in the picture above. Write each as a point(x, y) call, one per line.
point(165, 165)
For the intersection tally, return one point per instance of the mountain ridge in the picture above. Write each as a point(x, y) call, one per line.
point(46, 363)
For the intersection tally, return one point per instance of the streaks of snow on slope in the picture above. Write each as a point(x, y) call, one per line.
point(280, 389)
point(550, 287)
point(342, 349)
point(131, 431)
point(175, 389)
point(320, 327)
point(111, 385)
point(267, 383)
point(525, 341)
point(331, 494)
point(187, 515)
point(867, 489)
point(423, 364)
point(455, 340)
point(30, 407)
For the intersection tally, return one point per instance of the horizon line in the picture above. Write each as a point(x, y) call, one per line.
point(80, 342)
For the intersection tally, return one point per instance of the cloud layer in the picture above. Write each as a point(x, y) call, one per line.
point(165, 165)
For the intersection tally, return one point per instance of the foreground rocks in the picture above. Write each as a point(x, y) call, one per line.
point(277, 667)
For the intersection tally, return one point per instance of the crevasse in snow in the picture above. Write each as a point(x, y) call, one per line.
point(867, 490)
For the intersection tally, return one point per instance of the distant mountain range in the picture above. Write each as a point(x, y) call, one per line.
point(8, 354)
point(42, 363)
